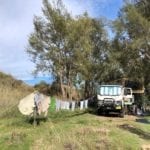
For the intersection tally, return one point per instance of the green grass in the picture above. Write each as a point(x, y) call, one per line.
point(52, 104)
point(73, 130)
point(65, 130)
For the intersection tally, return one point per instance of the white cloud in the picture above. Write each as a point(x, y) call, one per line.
point(16, 23)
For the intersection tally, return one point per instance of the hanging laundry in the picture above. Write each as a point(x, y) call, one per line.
point(58, 105)
point(62, 105)
point(67, 105)
point(73, 106)
point(86, 104)
point(81, 105)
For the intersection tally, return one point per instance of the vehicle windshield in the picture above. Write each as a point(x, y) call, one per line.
point(110, 90)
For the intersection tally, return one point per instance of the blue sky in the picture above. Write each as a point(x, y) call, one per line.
point(16, 23)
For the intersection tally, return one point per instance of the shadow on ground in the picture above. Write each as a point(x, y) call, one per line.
point(143, 120)
point(139, 132)
point(38, 120)
point(55, 117)
point(95, 112)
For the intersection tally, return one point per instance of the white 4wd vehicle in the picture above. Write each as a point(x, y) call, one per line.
point(114, 98)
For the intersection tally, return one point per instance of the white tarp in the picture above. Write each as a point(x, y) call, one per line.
point(26, 105)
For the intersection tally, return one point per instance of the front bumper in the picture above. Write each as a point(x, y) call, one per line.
point(112, 106)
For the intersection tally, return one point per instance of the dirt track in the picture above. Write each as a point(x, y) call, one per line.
point(117, 120)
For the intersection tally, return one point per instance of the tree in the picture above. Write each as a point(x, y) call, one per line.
point(143, 7)
point(96, 70)
point(131, 44)
point(60, 44)
point(48, 42)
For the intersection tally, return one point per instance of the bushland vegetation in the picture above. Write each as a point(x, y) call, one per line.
point(78, 51)
point(11, 91)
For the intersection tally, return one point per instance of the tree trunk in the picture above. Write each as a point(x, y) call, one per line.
point(61, 86)
point(87, 89)
point(69, 87)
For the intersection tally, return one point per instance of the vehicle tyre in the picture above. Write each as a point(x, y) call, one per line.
point(99, 111)
point(106, 113)
point(122, 113)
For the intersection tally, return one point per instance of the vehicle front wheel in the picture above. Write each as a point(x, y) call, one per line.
point(99, 111)
point(122, 113)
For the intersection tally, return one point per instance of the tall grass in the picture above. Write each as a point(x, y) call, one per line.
point(11, 91)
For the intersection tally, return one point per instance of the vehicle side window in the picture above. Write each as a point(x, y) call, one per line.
point(127, 91)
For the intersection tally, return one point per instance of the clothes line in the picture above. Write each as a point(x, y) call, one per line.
point(71, 105)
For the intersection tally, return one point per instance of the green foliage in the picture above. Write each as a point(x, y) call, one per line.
point(76, 49)
point(77, 129)
point(131, 43)
point(53, 104)
point(67, 46)
point(143, 7)
point(43, 87)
